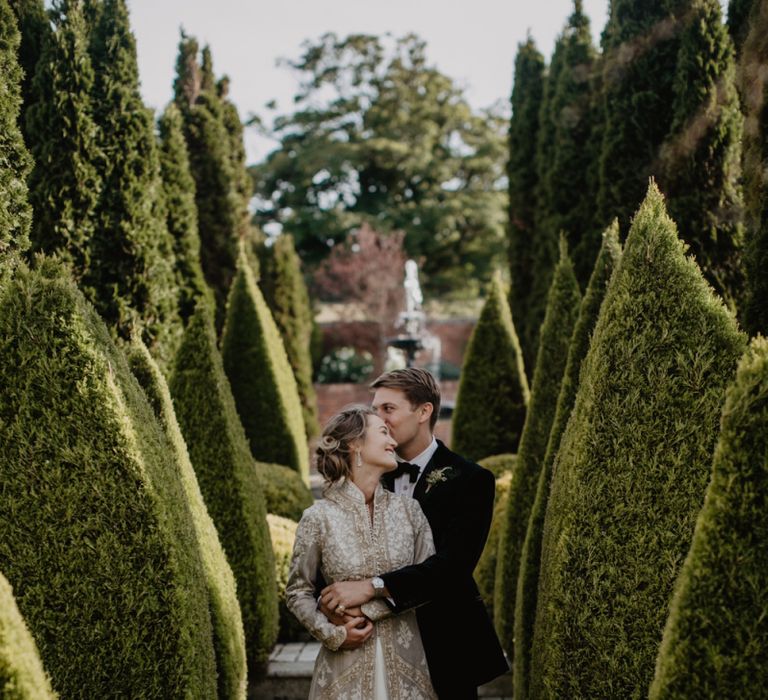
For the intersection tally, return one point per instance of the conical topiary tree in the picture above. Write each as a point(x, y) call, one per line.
point(701, 158)
point(528, 577)
point(15, 163)
point(181, 211)
point(22, 676)
point(262, 380)
point(562, 310)
point(131, 267)
point(493, 389)
point(64, 184)
point(282, 283)
point(285, 493)
point(632, 468)
point(228, 480)
point(713, 644)
point(98, 542)
point(527, 95)
point(755, 91)
point(228, 638)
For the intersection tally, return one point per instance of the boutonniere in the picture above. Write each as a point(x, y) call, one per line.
point(438, 476)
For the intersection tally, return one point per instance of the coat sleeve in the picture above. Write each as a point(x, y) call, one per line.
point(459, 542)
point(300, 589)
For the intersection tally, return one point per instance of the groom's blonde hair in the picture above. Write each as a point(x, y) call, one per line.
point(418, 385)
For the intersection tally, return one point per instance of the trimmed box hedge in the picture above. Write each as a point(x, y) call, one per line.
point(632, 468)
point(22, 676)
point(285, 492)
point(715, 643)
point(228, 637)
point(98, 541)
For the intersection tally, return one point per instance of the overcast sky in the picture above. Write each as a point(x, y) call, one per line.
point(472, 41)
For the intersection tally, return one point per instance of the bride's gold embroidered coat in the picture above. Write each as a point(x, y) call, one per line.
point(337, 537)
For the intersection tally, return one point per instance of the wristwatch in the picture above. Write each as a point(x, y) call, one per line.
point(378, 587)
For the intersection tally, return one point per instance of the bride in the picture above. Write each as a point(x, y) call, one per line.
point(357, 531)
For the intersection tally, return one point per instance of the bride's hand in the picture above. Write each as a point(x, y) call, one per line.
point(340, 618)
point(359, 630)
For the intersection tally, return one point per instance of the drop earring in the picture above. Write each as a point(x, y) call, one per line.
point(359, 462)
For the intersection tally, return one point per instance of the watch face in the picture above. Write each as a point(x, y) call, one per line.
point(378, 583)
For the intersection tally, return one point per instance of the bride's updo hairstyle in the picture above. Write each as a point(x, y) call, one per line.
point(334, 454)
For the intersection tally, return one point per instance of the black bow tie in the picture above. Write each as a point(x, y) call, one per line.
point(407, 468)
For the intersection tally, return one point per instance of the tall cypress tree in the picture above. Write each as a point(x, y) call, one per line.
point(562, 310)
point(755, 90)
point(632, 468)
point(713, 644)
point(640, 47)
point(571, 209)
point(282, 284)
point(544, 251)
point(701, 159)
point(493, 389)
point(64, 184)
point(527, 95)
point(15, 163)
point(181, 212)
point(34, 26)
point(739, 12)
point(528, 578)
point(219, 206)
point(131, 267)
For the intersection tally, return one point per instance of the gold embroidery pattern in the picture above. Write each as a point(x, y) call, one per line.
point(336, 536)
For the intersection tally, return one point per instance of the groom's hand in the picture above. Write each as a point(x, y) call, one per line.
point(348, 594)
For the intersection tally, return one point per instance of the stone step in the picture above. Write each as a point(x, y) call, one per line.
point(290, 672)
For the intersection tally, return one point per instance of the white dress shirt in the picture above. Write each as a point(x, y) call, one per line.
point(403, 483)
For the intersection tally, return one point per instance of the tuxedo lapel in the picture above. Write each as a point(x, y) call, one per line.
point(388, 480)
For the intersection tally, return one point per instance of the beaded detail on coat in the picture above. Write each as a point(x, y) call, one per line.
point(337, 537)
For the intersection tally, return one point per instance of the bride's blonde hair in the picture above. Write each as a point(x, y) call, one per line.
point(334, 451)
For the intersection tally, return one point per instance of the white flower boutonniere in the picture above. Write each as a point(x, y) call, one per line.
point(438, 476)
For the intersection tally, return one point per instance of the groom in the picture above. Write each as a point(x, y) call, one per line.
point(457, 497)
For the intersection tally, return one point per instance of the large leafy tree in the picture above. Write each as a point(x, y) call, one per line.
point(381, 135)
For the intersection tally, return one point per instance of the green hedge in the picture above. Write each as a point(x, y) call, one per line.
point(528, 578)
point(22, 676)
point(228, 637)
point(283, 533)
point(262, 381)
point(493, 389)
point(285, 492)
point(562, 310)
point(632, 468)
point(97, 541)
point(485, 571)
point(714, 644)
point(228, 481)
point(499, 464)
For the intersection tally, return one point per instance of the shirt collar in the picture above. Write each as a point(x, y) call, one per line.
point(422, 460)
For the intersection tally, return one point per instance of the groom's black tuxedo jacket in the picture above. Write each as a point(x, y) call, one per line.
point(459, 640)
